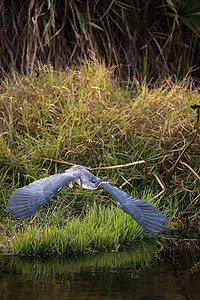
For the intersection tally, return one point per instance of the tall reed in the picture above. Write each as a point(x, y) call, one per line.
point(122, 32)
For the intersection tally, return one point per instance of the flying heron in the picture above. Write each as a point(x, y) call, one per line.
point(26, 200)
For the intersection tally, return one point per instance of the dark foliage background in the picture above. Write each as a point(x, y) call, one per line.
point(146, 37)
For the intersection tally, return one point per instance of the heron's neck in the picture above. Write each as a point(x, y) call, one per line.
point(86, 184)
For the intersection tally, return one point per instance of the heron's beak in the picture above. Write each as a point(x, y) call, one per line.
point(113, 182)
point(105, 180)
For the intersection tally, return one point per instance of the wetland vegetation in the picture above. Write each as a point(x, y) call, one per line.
point(87, 116)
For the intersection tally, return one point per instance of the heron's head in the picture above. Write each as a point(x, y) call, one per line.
point(104, 180)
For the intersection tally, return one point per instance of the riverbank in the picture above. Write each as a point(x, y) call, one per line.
point(87, 117)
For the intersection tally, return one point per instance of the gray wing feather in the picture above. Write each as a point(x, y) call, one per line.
point(141, 211)
point(26, 200)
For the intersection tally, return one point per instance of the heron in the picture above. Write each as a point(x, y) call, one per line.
point(26, 200)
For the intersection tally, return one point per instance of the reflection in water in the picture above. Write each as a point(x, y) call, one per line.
point(142, 253)
point(140, 272)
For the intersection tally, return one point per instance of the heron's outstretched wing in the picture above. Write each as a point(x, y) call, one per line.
point(26, 200)
point(141, 211)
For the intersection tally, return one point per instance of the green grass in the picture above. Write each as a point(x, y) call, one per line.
point(100, 227)
point(86, 117)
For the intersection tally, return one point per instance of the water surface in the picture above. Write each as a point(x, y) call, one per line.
point(144, 271)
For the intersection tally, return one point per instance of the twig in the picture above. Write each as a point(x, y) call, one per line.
point(64, 162)
point(183, 163)
point(189, 204)
point(126, 181)
point(161, 184)
point(104, 168)
point(121, 166)
point(160, 193)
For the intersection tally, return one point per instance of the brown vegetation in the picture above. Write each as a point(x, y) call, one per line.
point(143, 38)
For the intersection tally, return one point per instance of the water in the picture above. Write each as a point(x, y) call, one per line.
point(143, 272)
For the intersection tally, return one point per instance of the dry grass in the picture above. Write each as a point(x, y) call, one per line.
point(86, 117)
